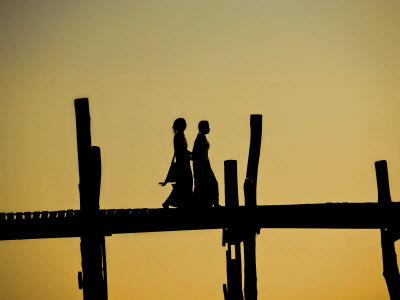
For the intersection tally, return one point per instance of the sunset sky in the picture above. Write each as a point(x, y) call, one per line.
point(324, 74)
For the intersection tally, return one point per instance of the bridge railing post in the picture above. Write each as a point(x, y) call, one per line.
point(93, 279)
point(390, 267)
point(250, 195)
point(232, 236)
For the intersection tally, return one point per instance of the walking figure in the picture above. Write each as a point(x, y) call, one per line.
point(180, 171)
point(205, 184)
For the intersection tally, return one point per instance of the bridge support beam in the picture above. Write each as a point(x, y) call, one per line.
point(93, 278)
point(231, 236)
point(388, 234)
point(250, 195)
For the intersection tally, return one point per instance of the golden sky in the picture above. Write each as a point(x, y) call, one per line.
point(324, 74)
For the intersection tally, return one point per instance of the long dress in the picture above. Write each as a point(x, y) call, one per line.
point(182, 189)
point(205, 184)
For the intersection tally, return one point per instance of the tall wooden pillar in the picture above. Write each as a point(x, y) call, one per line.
point(388, 234)
point(232, 237)
point(93, 278)
point(250, 194)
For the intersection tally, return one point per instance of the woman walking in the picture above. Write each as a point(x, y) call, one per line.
point(180, 171)
point(205, 184)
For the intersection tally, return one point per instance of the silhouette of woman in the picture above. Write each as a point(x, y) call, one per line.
point(182, 173)
point(205, 184)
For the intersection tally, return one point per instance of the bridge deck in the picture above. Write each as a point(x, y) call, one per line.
point(72, 223)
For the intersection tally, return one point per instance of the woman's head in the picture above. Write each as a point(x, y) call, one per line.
point(179, 125)
point(204, 127)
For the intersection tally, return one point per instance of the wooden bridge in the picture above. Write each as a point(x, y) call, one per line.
point(72, 223)
point(240, 224)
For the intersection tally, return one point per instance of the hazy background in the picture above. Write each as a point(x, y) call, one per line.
point(325, 75)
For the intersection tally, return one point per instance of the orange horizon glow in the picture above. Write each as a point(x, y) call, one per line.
point(324, 75)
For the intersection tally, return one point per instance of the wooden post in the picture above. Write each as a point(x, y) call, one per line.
point(250, 194)
point(390, 268)
point(231, 236)
point(93, 281)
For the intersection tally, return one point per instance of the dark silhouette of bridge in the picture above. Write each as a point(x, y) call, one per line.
point(240, 224)
point(71, 223)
